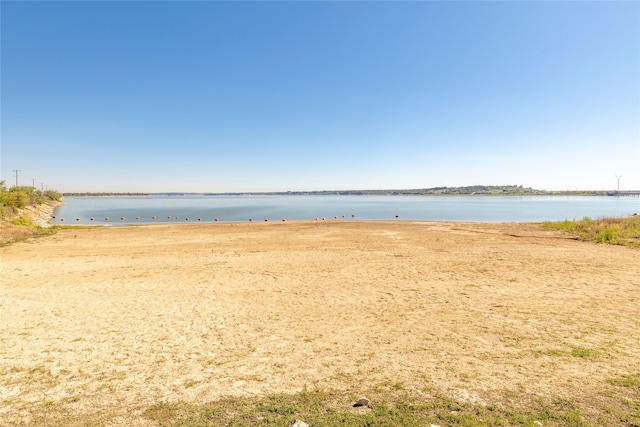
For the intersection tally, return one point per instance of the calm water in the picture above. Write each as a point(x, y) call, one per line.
point(275, 208)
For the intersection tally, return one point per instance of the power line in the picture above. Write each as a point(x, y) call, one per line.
point(618, 176)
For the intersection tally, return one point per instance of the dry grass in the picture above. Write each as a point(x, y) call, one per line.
point(11, 233)
point(19, 225)
point(617, 231)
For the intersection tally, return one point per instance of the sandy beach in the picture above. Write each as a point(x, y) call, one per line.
point(110, 320)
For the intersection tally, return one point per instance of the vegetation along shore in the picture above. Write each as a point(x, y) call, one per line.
point(25, 212)
point(472, 190)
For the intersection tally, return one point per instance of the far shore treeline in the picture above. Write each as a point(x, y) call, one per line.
point(473, 190)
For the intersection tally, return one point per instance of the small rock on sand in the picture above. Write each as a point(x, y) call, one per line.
point(363, 401)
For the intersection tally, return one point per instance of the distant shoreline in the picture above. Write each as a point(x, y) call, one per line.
point(478, 190)
point(329, 193)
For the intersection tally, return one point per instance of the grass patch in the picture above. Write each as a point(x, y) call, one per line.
point(583, 352)
point(11, 233)
point(625, 399)
point(321, 408)
point(631, 380)
point(548, 352)
point(388, 407)
point(616, 231)
point(191, 383)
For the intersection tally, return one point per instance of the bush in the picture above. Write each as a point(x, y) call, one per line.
point(22, 220)
point(14, 225)
point(19, 197)
point(608, 235)
point(15, 199)
point(616, 231)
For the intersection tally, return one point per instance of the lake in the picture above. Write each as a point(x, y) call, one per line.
point(227, 208)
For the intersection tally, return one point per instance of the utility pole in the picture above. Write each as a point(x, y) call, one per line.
point(618, 176)
point(33, 182)
point(16, 171)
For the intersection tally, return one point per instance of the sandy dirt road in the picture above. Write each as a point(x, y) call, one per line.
point(115, 319)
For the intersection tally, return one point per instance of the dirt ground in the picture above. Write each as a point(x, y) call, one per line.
point(118, 318)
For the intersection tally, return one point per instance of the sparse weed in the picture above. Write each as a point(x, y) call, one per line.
point(582, 352)
point(631, 380)
point(617, 231)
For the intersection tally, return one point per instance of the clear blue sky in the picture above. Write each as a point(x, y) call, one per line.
point(208, 96)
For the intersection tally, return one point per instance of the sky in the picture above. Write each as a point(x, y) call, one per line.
point(214, 96)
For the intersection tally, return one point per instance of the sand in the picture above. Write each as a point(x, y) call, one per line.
point(115, 319)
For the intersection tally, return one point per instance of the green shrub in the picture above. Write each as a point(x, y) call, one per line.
point(15, 199)
point(19, 197)
point(617, 231)
point(14, 225)
point(22, 220)
point(607, 235)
